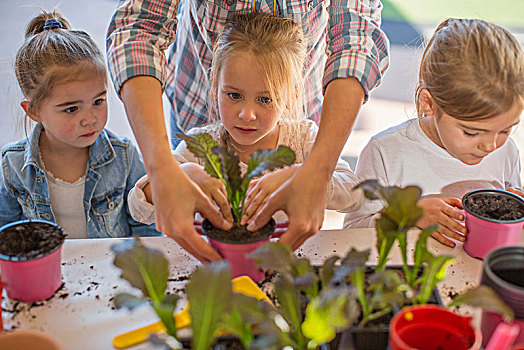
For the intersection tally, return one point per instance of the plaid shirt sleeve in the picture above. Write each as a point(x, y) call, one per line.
point(138, 34)
point(356, 47)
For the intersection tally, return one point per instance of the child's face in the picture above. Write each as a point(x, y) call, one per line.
point(75, 113)
point(471, 141)
point(245, 106)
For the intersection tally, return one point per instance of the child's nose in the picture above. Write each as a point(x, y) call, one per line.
point(89, 118)
point(248, 112)
point(489, 144)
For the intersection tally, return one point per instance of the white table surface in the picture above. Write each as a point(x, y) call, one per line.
point(81, 314)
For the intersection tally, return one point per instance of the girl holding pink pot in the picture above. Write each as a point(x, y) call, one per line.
point(469, 98)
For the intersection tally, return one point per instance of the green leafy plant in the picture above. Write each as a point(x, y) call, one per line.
point(223, 163)
point(386, 290)
point(147, 270)
point(213, 304)
point(215, 308)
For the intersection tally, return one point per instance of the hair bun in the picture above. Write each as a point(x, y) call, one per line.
point(52, 23)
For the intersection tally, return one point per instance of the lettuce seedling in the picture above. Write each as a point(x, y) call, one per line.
point(399, 215)
point(223, 163)
point(312, 309)
point(213, 305)
point(146, 269)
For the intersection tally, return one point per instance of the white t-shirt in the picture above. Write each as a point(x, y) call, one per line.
point(403, 155)
point(67, 203)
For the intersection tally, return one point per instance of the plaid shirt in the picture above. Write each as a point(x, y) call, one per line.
point(344, 40)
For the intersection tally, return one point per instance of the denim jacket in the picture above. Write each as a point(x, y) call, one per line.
point(113, 168)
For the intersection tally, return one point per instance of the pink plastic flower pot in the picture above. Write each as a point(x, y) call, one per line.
point(431, 327)
point(235, 254)
point(32, 279)
point(485, 234)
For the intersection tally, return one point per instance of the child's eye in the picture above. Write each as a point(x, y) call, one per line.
point(470, 134)
point(99, 101)
point(71, 109)
point(265, 100)
point(234, 95)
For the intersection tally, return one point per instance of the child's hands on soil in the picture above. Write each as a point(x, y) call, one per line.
point(444, 212)
point(260, 189)
point(212, 187)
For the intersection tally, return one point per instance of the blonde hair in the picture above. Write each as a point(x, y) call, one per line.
point(50, 56)
point(280, 50)
point(473, 69)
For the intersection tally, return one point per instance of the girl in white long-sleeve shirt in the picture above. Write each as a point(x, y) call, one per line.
point(256, 80)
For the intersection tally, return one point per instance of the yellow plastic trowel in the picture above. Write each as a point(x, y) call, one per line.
point(242, 284)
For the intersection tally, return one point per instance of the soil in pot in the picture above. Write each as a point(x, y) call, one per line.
point(238, 233)
point(495, 206)
point(30, 240)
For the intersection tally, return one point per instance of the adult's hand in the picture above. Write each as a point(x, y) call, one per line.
point(175, 196)
point(303, 197)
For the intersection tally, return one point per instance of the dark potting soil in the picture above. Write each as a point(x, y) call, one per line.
point(237, 233)
point(495, 206)
point(513, 276)
point(30, 239)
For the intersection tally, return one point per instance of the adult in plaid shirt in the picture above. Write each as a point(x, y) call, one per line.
point(348, 54)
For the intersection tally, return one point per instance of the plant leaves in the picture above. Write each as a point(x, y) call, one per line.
point(263, 160)
point(328, 270)
point(128, 301)
point(486, 298)
point(230, 163)
point(433, 272)
point(165, 309)
point(402, 206)
point(274, 256)
point(244, 313)
point(209, 293)
point(144, 268)
point(353, 261)
point(333, 311)
point(287, 296)
point(201, 146)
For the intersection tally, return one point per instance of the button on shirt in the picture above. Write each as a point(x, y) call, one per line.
point(344, 40)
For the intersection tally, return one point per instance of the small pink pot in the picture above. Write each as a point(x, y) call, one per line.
point(34, 279)
point(432, 327)
point(235, 254)
point(485, 234)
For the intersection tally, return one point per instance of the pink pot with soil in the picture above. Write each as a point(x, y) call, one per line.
point(30, 259)
point(234, 250)
point(494, 218)
point(431, 327)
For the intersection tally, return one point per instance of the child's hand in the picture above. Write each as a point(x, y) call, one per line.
point(260, 189)
point(212, 187)
point(515, 190)
point(443, 212)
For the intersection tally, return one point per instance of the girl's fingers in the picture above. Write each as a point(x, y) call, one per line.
point(453, 213)
point(446, 231)
point(439, 237)
point(252, 208)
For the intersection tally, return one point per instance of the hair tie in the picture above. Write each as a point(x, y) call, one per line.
point(52, 23)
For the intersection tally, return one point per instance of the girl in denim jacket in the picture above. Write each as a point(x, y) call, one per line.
point(70, 170)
